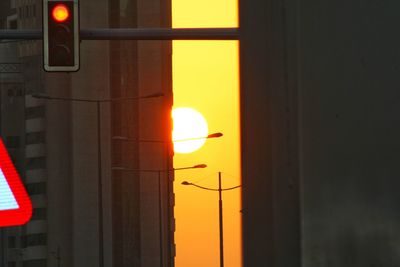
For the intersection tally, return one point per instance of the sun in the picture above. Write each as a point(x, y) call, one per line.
point(190, 130)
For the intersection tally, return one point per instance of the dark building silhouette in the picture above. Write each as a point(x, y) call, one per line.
point(55, 144)
point(320, 133)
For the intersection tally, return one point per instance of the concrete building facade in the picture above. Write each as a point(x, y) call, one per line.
point(320, 125)
point(56, 144)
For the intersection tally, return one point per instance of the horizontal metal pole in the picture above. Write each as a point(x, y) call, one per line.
point(134, 34)
point(21, 34)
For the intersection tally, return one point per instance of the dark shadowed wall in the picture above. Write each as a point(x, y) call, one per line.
point(320, 126)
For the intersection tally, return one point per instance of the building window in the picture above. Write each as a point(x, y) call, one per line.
point(36, 188)
point(35, 112)
point(12, 242)
point(13, 142)
point(34, 240)
point(15, 92)
point(13, 25)
point(35, 138)
point(36, 163)
point(39, 214)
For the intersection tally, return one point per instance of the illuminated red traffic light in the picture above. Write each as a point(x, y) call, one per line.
point(60, 35)
point(60, 12)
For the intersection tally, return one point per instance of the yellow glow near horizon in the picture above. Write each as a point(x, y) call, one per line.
point(188, 124)
point(205, 77)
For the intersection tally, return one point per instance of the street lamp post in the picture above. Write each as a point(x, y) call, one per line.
point(221, 229)
point(99, 165)
point(212, 135)
point(220, 216)
point(197, 166)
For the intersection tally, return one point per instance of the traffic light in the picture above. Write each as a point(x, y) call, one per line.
point(61, 35)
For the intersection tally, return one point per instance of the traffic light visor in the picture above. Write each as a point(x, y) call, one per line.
point(60, 13)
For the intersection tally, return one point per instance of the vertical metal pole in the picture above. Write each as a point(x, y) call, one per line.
point(100, 189)
point(221, 231)
point(58, 256)
point(3, 247)
point(168, 203)
point(160, 220)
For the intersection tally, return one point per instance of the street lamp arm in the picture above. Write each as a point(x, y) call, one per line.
point(202, 187)
point(210, 189)
point(230, 188)
point(198, 166)
point(123, 138)
point(132, 98)
point(136, 140)
point(120, 168)
point(45, 96)
point(213, 135)
point(135, 170)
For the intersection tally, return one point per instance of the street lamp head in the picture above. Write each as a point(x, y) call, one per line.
point(214, 135)
point(199, 166)
point(186, 183)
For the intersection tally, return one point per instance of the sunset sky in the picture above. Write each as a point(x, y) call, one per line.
point(205, 77)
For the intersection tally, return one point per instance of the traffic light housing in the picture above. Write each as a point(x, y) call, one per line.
point(61, 35)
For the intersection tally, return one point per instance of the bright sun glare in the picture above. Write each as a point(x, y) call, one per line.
point(190, 130)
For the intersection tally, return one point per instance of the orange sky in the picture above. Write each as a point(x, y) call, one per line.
point(205, 77)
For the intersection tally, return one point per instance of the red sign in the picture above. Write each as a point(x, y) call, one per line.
point(15, 204)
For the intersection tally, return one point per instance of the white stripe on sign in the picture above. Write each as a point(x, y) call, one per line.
point(7, 199)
